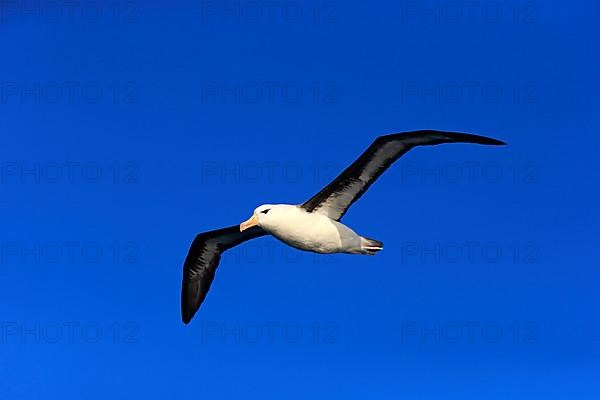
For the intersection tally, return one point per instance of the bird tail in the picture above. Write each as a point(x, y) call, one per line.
point(370, 246)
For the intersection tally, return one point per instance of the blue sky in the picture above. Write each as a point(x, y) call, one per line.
point(129, 127)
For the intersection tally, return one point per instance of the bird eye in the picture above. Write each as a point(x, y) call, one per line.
point(265, 211)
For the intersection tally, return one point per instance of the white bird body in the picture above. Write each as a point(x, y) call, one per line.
point(308, 231)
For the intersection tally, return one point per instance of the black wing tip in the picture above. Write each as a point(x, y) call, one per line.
point(447, 136)
point(470, 138)
point(191, 300)
point(186, 319)
point(187, 313)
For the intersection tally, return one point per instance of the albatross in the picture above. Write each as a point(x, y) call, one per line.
point(314, 225)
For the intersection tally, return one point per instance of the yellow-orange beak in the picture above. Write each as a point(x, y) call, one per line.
point(250, 223)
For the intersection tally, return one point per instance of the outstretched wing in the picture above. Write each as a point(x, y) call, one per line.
point(335, 198)
point(201, 264)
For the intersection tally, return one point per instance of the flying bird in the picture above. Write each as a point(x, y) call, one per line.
point(315, 225)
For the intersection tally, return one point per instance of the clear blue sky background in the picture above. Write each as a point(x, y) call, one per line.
point(166, 126)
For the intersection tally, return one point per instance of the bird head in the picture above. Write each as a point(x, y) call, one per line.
point(259, 217)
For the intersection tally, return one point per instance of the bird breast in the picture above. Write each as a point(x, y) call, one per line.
point(313, 232)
